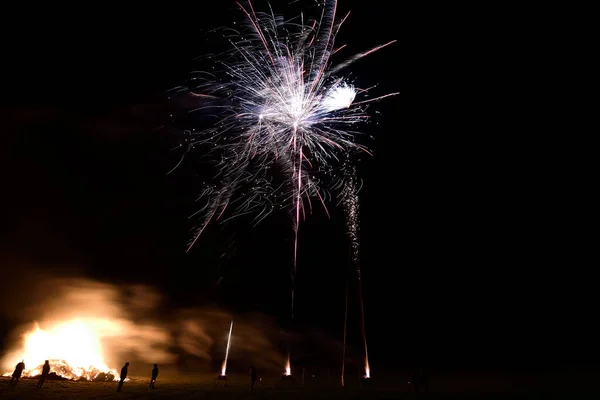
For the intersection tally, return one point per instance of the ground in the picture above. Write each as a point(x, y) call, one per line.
point(200, 389)
point(472, 384)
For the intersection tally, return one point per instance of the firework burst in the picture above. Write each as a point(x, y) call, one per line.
point(284, 111)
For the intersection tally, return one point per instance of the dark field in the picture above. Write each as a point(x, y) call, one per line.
point(442, 384)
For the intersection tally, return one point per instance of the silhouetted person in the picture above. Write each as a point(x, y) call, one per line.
point(17, 374)
point(154, 375)
point(414, 379)
point(123, 376)
point(252, 373)
point(45, 372)
point(423, 381)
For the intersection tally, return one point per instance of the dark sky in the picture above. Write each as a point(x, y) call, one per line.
point(461, 258)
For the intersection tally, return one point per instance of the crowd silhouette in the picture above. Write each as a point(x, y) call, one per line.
point(20, 367)
point(123, 376)
point(417, 378)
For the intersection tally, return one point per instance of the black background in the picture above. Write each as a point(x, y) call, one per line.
point(464, 252)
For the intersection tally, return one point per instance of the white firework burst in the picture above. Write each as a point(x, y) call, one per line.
point(280, 107)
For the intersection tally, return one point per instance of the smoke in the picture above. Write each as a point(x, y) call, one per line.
point(121, 316)
point(135, 324)
point(252, 341)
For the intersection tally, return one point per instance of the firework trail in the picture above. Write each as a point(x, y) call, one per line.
point(281, 113)
point(349, 197)
point(224, 366)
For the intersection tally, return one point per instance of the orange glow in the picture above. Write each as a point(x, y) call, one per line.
point(367, 369)
point(73, 348)
point(288, 368)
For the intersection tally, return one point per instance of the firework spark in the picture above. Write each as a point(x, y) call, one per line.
point(282, 112)
point(224, 366)
point(349, 196)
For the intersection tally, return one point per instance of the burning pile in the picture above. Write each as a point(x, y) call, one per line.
point(73, 349)
point(63, 369)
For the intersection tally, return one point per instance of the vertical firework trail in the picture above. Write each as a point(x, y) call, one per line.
point(350, 200)
point(297, 200)
point(224, 366)
point(362, 322)
point(345, 330)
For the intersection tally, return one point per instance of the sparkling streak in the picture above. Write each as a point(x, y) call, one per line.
point(350, 200)
point(224, 366)
point(288, 368)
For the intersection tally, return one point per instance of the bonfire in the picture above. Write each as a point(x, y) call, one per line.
point(73, 349)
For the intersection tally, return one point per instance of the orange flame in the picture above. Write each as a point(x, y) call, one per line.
point(367, 369)
point(288, 368)
point(73, 348)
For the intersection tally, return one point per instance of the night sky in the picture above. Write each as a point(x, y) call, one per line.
point(460, 258)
